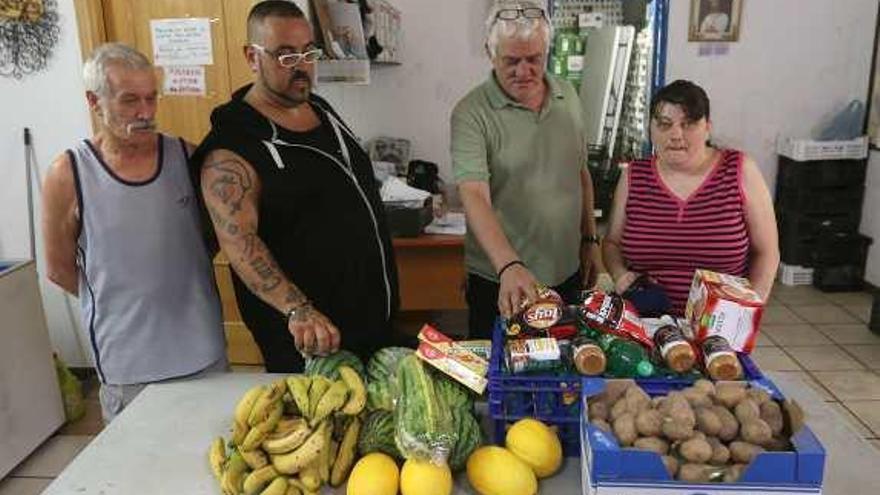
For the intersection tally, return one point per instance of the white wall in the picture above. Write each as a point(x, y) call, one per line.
point(796, 63)
point(443, 58)
point(52, 105)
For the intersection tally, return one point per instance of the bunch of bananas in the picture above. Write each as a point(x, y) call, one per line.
point(292, 436)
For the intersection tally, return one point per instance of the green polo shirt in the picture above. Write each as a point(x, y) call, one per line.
point(532, 162)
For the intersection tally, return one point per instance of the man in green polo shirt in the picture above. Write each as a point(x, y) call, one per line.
point(519, 158)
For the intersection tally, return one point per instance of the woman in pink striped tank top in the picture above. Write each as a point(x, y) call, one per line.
point(690, 206)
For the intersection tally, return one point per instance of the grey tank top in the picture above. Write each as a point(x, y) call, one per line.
point(147, 292)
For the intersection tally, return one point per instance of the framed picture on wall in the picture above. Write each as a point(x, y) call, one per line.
point(714, 20)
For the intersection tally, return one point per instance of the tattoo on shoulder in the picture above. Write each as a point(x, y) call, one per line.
point(230, 182)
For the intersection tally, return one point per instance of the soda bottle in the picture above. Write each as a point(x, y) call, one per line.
point(626, 359)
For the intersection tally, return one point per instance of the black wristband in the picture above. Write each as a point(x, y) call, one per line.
point(595, 239)
point(510, 264)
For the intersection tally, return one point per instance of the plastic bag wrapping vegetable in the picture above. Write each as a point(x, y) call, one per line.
point(71, 391)
point(382, 390)
point(423, 426)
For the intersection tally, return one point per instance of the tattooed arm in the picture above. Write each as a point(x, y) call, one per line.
point(232, 189)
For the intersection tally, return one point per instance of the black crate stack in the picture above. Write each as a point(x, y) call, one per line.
point(818, 209)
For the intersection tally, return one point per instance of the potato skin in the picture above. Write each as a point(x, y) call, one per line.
point(654, 444)
point(696, 450)
point(756, 431)
point(625, 429)
point(648, 423)
point(771, 413)
point(601, 424)
point(759, 395)
point(698, 473)
point(720, 452)
point(747, 410)
point(599, 410)
point(742, 452)
point(708, 421)
point(729, 394)
point(729, 424)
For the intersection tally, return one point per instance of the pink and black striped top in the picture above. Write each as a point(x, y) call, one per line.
point(668, 238)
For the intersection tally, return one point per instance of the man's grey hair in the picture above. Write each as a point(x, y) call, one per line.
point(95, 68)
point(520, 28)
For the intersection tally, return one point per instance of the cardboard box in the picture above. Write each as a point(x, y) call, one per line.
point(720, 304)
point(446, 355)
point(608, 469)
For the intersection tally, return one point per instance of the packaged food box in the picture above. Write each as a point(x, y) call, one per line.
point(725, 305)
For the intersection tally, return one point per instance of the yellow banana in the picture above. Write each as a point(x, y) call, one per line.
point(318, 387)
point(283, 441)
point(233, 474)
point(298, 385)
point(345, 456)
point(271, 422)
point(266, 402)
point(332, 400)
point(357, 397)
point(289, 423)
point(325, 461)
point(278, 486)
point(310, 477)
point(297, 484)
point(239, 432)
point(256, 480)
point(217, 456)
point(305, 454)
point(253, 439)
point(255, 459)
point(246, 403)
point(293, 489)
point(330, 455)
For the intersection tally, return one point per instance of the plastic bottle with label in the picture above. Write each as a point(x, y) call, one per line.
point(720, 359)
point(673, 347)
point(626, 359)
point(587, 356)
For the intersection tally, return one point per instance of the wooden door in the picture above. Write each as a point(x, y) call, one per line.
point(128, 21)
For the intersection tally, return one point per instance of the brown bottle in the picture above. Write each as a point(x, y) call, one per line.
point(720, 359)
point(588, 357)
point(674, 348)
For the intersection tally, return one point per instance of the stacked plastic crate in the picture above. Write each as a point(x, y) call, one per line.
point(819, 192)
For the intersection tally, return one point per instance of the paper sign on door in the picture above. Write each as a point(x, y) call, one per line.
point(184, 80)
point(182, 41)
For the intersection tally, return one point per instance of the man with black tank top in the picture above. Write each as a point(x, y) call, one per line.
point(123, 233)
point(295, 206)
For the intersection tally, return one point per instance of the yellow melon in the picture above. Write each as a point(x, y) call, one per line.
point(536, 444)
point(425, 478)
point(494, 470)
point(374, 474)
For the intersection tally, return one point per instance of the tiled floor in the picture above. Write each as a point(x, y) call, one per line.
point(822, 338)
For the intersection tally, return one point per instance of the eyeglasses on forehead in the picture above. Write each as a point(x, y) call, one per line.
point(513, 14)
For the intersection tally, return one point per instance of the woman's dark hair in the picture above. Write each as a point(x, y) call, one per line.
point(691, 98)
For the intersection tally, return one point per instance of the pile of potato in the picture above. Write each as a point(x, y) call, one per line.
point(707, 432)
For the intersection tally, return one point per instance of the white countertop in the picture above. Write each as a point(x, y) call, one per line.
point(159, 444)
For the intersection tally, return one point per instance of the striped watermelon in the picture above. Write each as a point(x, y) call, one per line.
point(377, 435)
point(329, 365)
point(454, 394)
point(384, 362)
point(470, 436)
point(380, 396)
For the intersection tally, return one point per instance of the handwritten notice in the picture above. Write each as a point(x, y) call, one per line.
point(182, 41)
point(184, 80)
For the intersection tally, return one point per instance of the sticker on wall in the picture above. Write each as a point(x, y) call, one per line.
point(184, 80)
point(182, 41)
point(29, 31)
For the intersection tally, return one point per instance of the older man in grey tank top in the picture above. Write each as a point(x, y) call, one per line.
point(122, 232)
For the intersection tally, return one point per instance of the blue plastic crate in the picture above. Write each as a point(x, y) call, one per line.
point(608, 469)
point(554, 399)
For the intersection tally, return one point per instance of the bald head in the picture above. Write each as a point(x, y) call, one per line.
point(269, 8)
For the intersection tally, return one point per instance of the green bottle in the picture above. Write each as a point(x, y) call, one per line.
point(626, 359)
